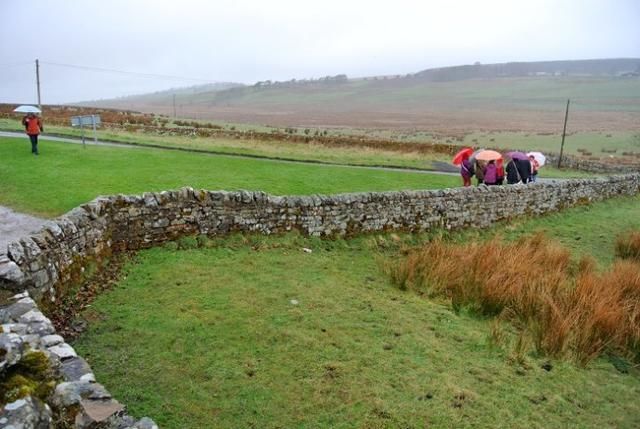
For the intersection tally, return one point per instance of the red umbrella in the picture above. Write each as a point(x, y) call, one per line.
point(462, 155)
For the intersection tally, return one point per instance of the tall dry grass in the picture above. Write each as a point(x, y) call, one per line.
point(628, 245)
point(565, 308)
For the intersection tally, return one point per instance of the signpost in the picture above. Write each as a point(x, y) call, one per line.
point(82, 121)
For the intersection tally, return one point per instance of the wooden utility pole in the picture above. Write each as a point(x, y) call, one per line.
point(564, 132)
point(38, 84)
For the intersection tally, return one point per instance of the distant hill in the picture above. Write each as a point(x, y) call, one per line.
point(167, 95)
point(530, 96)
point(609, 67)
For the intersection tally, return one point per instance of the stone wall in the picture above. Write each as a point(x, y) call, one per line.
point(47, 261)
point(590, 166)
point(76, 400)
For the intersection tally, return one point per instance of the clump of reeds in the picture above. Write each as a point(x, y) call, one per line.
point(566, 308)
point(628, 245)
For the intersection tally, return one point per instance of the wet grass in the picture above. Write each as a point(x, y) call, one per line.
point(563, 309)
point(252, 331)
point(67, 175)
point(588, 230)
point(344, 155)
point(270, 148)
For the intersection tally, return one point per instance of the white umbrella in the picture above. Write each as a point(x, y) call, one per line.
point(539, 157)
point(26, 109)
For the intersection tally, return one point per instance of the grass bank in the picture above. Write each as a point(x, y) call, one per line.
point(255, 332)
point(66, 175)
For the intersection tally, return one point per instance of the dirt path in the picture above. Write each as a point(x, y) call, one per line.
point(14, 225)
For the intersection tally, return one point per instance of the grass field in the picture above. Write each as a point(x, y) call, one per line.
point(269, 149)
point(66, 175)
point(253, 332)
point(334, 155)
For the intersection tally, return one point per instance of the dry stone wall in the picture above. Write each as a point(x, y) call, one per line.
point(591, 166)
point(45, 262)
point(77, 400)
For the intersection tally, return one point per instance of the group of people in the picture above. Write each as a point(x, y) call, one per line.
point(494, 172)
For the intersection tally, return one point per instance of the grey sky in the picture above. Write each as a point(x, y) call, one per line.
point(247, 41)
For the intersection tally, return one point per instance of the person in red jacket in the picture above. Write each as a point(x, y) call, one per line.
point(33, 127)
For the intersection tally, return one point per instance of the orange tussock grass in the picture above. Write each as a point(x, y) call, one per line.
point(628, 245)
point(566, 308)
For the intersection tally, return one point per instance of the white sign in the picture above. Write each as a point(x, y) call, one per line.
point(80, 121)
point(89, 120)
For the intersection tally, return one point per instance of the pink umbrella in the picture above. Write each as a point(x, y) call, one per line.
point(488, 155)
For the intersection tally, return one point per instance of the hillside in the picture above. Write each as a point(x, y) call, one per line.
point(605, 95)
point(166, 96)
point(610, 67)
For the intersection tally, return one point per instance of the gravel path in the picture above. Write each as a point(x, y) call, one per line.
point(14, 225)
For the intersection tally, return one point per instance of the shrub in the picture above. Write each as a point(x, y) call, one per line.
point(564, 308)
point(628, 245)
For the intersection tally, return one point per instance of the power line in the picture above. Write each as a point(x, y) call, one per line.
point(146, 75)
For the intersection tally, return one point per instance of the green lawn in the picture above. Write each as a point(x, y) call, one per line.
point(358, 155)
point(243, 146)
point(66, 175)
point(210, 337)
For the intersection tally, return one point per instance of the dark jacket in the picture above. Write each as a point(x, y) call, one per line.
point(512, 173)
point(524, 168)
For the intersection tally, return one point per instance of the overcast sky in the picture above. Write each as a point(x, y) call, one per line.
point(248, 41)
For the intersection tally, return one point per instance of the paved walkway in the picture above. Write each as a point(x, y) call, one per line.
point(14, 225)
